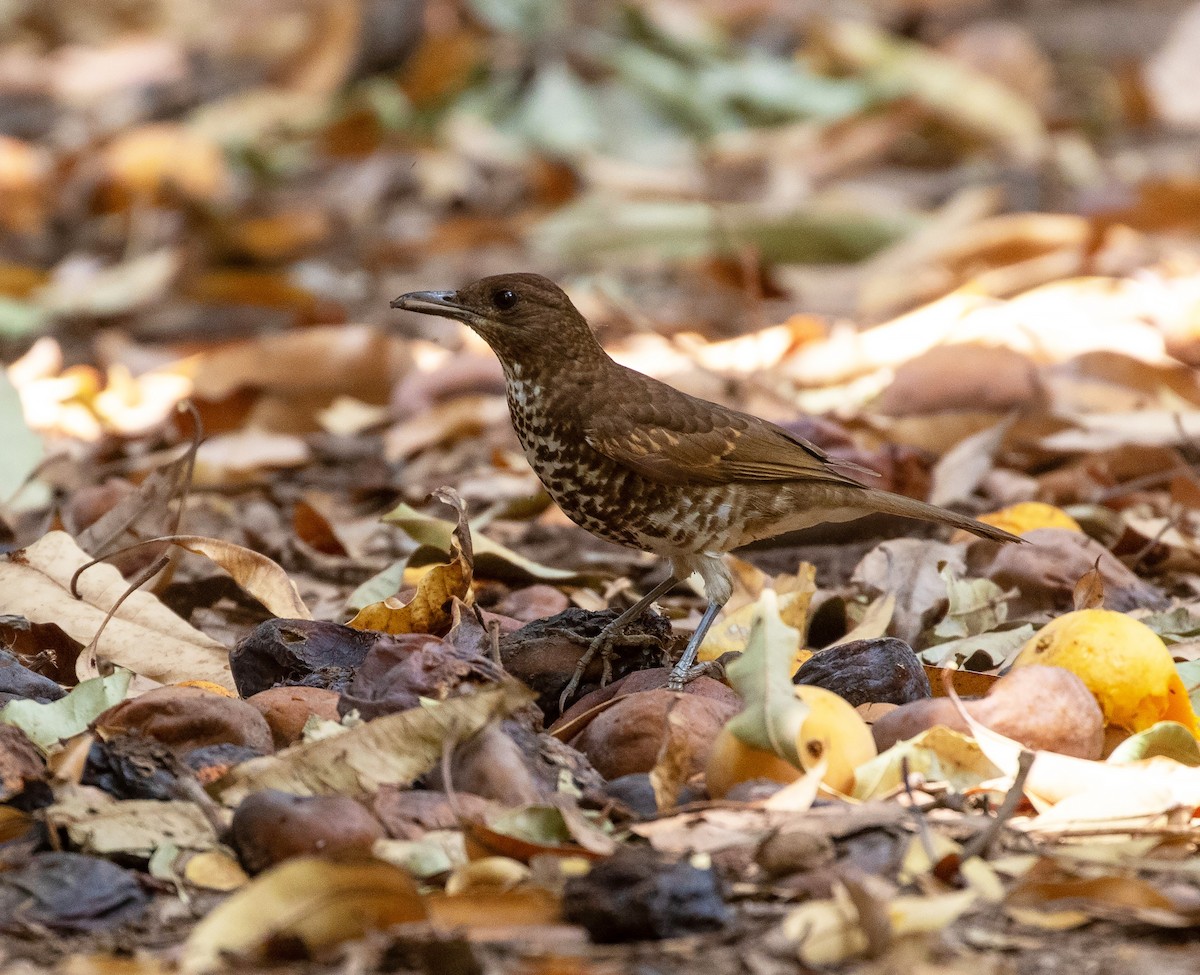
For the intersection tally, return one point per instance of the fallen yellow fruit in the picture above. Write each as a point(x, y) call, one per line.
point(1122, 661)
point(835, 731)
point(1029, 516)
point(732, 762)
point(832, 730)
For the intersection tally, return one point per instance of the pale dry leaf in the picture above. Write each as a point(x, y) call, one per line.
point(143, 636)
point(1172, 75)
point(98, 823)
point(395, 749)
point(82, 287)
point(446, 422)
point(1105, 431)
point(356, 359)
point(799, 794)
point(875, 620)
point(827, 932)
point(963, 467)
point(908, 569)
point(242, 456)
point(318, 902)
point(261, 577)
point(1053, 778)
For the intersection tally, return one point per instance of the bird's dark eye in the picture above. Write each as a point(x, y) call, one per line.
point(503, 299)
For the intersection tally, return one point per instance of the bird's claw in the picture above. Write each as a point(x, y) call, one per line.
point(604, 644)
point(681, 678)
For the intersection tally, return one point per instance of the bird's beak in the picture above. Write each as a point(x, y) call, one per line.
point(439, 303)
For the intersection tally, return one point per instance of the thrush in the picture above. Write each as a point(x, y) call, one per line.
point(640, 463)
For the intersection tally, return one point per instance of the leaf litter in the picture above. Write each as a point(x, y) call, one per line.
point(971, 256)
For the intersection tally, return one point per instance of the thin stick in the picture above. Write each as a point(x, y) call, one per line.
point(981, 843)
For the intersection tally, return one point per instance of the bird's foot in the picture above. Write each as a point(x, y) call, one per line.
point(605, 645)
point(680, 678)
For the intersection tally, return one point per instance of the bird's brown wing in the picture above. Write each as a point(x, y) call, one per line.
point(673, 438)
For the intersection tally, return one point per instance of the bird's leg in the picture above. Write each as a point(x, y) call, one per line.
point(603, 643)
point(682, 672)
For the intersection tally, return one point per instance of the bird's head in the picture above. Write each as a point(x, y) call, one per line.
point(525, 318)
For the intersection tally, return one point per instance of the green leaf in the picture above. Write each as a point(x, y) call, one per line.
point(976, 606)
point(1169, 739)
point(978, 653)
point(762, 675)
point(23, 451)
point(599, 227)
point(19, 318)
point(543, 825)
point(1189, 673)
point(48, 724)
point(379, 587)
point(1174, 626)
point(559, 113)
point(772, 90)
point(530, 18)
point(672, 86)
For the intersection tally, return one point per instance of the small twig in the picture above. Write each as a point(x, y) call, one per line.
point(34, 474)
point(190, 789)
point(493, 630)
point(1145, 481)
point(139, 580)
point(1171, 522)
point(917, 815)
point(981, 843)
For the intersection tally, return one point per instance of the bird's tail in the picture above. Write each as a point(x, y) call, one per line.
point(897, 504)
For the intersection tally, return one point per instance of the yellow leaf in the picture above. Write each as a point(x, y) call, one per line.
point(214, 870)
point(318, 902)
point(430, 609)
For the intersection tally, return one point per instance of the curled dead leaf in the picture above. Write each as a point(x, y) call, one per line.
point(430, 610)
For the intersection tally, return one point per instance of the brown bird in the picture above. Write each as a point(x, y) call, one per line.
point(639, 463)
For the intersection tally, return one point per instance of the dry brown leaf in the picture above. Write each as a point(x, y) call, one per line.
point(261, 577)
point(143, 636)
point(430, 610)
point(452, 420)
point(143, 162)
point(496, 912)
point(675, 759)
point(1089, 590)
point(343, 359)
point(1050, 886)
